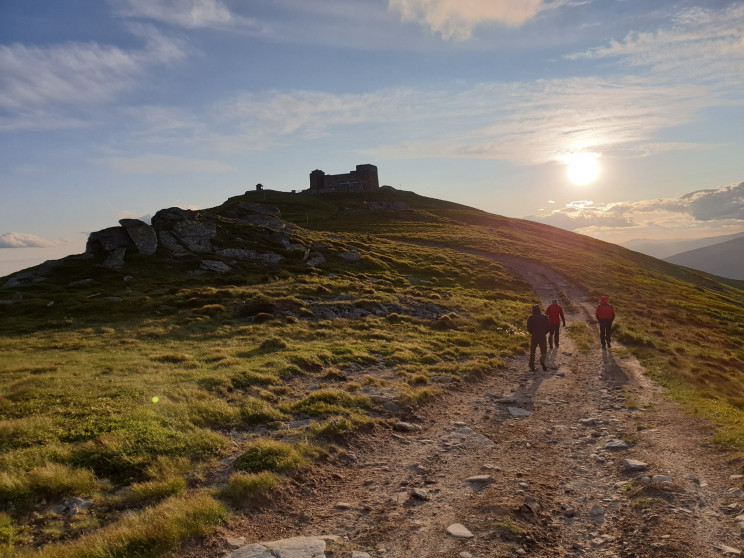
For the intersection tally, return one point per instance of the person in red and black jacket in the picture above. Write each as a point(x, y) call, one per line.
point(555, 313)
point(605, 314)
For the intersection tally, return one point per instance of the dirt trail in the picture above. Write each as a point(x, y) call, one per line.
point(553, 487)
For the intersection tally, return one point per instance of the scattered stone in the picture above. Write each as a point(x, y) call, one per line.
point(407, 427)
point(315, 259)
point(616, 445)
point(729, 550)
point(599, 541)
point(235, 542)
point(77, 505)
point(296, 547)
point(479, 479)
point(591, 421)
point(350, 256)
point(459, 531)
point(465, 555)
point(634, 465)
point(569, 512)
point(467, 434)
point(523, 484)
point(420, 494)
point(596, 511)
point(519, 412)
point(358, 554)
point(214, 265)
point(343, 506)
point(662, 478)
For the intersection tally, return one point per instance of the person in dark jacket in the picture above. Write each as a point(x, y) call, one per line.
point(605, 314)
point(538, 325)
point(554, 312)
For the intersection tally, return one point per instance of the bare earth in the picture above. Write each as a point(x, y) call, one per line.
point(553, 487)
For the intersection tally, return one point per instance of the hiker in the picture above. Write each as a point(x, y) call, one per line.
point(605, 314)
point(538, 325)
point(555, 313)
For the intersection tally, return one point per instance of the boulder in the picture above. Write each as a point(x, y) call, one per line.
point(214, 265)
point(350, 256)
point(242, 209)
point(115, 260)
point(166, 218)
point(170, 242)
point(107, 240)
point(195, 235)
point(264, 221)
point(142, 235)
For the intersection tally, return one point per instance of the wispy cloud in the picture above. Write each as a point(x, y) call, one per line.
point(190, 14)
point(21, 240)
point(701, 209)
point(456, 19)
point(37, 83)
point(164, 164)
point(701, 44)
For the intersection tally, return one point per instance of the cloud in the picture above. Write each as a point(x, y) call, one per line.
point(48, 87)
point(190, 14)
point(701, 44)
point(164, 164)
point(21, 240)
point(456, 19)
point(700, 209)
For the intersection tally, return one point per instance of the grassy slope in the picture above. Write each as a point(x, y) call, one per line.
point(78, 377)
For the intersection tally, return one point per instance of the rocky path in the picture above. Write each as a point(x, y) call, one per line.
point(586, 459)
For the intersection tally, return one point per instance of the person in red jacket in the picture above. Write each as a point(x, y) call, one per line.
point(555, 313)
point(605, 314)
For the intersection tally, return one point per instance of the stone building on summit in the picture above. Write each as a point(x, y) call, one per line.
point(363, 179)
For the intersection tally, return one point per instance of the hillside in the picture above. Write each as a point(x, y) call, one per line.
point(225, 359)
point(725, 259)
point(664, 249)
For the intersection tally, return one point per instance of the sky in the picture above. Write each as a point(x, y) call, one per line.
point(118, 108)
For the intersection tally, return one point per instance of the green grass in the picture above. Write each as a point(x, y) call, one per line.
point(272, 456)
point(581, 335)
point(154, 532)
point(245, 488)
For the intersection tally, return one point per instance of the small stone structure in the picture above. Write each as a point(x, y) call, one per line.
point(363, 179)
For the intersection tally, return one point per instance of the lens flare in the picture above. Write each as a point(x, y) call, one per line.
point(155, 399)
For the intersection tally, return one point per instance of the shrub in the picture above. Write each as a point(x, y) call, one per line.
point(154, 532)
point(259, 304)
point(257, 411)
point(269, 455)
point(330, 402)
point(210, 309)
point(273, 344)
point(246, 487)
point(54, 480)
point(152, 491)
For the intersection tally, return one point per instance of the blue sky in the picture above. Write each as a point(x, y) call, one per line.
point(118, 108)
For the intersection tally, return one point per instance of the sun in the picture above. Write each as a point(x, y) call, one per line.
point(583, 168)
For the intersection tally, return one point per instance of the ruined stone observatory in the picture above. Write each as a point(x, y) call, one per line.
point(363, 179)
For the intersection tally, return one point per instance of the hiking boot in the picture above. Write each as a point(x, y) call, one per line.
point(532, 368)
point(545, 368)
point(551, 344)
point(609, 345)
point(603, 345)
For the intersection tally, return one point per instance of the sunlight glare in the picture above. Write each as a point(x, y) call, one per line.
point(583, 168)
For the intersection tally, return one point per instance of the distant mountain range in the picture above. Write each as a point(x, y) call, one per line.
point(664, 249)
point(725, 259)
